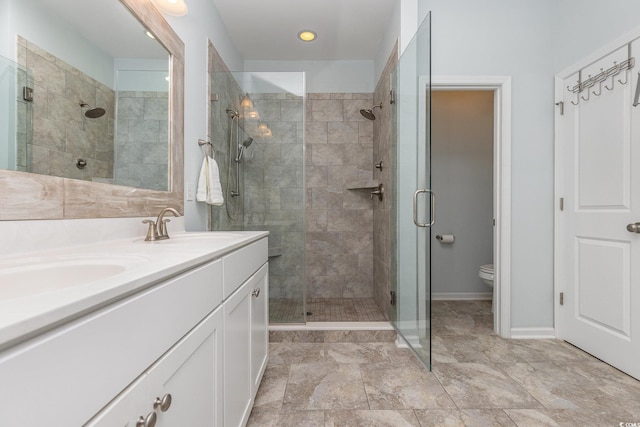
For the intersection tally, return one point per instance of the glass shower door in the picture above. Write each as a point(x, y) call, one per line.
point(414, 211)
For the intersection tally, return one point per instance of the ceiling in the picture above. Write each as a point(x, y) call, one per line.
point(267, 29)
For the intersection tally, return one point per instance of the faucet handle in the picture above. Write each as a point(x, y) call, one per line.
point(162, 229)
point(152, 232)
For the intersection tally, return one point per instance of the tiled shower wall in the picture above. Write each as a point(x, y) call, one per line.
point(339, 155)
point(142, 140)
point(382, 151)
point(274, 188)
point(61, 132)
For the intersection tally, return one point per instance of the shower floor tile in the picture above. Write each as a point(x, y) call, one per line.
point(285, 310)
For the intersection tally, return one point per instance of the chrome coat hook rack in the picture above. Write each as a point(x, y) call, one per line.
point(601, 77)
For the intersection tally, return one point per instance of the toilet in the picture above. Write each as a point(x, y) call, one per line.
point(486, 275)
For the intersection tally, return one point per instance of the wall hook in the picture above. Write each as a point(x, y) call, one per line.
point(577, 98)
point(599, 79)
point(626, 78)
point(599, 89)
point(588, 83)
point(588, 96)
point(616, 70)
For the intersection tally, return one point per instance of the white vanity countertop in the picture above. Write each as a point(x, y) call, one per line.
point(129, 266)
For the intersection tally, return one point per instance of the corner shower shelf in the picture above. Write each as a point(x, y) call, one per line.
point(275, 252)
point(365, 185)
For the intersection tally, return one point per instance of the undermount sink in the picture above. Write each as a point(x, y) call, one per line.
point(33, 279)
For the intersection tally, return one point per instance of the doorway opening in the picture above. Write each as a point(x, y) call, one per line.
point(495, 90)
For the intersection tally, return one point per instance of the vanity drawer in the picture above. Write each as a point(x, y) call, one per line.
point(241, 264)
point(69, 373)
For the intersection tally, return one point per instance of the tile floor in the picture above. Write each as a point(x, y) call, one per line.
point(479, 379)
point(325, 310)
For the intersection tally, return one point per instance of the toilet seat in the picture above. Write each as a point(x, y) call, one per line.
point(487, 268)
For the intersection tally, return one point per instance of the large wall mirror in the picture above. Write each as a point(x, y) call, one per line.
point(93, 106)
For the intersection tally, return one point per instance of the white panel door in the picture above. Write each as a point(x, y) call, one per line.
point(597, 258)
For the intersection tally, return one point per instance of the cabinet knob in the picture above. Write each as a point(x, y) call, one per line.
point(164, 404)
point(256, 292)
point(149, 421)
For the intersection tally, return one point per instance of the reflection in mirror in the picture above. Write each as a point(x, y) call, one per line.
point(96, 107)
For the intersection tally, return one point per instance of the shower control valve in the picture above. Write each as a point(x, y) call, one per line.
point(379, 192)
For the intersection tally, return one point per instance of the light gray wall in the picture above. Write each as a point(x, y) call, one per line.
point(462, 177)
point(42, 27)
point(507, 37)
point(325, 76)
point(201, 23)
point(5, 42)
point(388, 43)
point(576, 37)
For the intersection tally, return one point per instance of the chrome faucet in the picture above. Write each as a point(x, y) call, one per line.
point(158, 229)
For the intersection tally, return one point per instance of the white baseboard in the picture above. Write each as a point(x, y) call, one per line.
point(403, 342)
point(533, 333)
point(333, 326)
point(400, 342)
point(461, 296)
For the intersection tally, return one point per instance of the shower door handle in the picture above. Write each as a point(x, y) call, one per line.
point(415, 208)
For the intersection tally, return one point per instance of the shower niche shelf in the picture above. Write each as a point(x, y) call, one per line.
point(364, 185)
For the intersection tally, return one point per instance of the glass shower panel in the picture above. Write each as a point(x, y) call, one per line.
point(16, 113)
point(413, 200)
point(269, 133)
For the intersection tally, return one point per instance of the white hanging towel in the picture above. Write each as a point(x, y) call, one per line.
point(209, 187)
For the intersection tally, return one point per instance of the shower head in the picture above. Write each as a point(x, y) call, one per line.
point(368, 114)
point(245, 144)
point(92, 112)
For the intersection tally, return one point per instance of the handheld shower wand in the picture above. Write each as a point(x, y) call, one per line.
point(245, 144)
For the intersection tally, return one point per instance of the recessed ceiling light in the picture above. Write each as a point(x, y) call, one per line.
point(307, 35)
point(149, 34)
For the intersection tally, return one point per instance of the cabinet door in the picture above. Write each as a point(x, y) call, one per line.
point(125, 409)
point(191, 374)
point(237, 357)
point(259, 285)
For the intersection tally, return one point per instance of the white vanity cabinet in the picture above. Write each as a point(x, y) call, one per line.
point(199, 336)
point(69, 373)
point(245, 346)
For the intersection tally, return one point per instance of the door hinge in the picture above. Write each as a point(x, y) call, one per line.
point(561, 203)
point(561, 105)
point(561, 298)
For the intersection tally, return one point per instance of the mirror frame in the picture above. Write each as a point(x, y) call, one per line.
point(28, 196)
